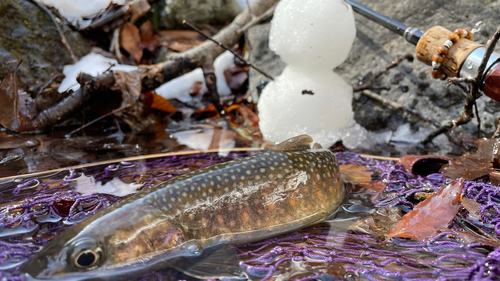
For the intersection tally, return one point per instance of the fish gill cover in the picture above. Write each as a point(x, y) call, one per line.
point(37, 209)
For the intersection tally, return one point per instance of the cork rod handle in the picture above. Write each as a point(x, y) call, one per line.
point(435, 37)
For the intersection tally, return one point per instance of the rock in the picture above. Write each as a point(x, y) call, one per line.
point(260, 54)
point(28, 34)
point(411, 83)
point(169, 14)
point(375, 47)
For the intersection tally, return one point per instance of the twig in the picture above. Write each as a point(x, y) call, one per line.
point(446, 127)
point(115, 45)
point(7, 131)
point(97, 119)
point(54, 77)
point(228, 49)
point(369, 83)
point(58, 28)
point(497, 132)
point(478, 118)
point(250, 9)
point(255, 20)
point(211, 82)
point(472, 96)
point(400, 107)
point(459, 142)
point(155, 75)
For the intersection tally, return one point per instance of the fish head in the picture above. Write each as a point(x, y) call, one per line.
point(108, 246)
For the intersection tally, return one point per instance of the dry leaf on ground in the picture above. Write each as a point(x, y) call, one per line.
point(162, 104)
point(148, 39)
point(16, 107)
point(474, 166)
point(356, 174)
point(130, 41)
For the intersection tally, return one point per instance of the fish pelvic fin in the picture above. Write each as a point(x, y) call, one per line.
point(298, 143)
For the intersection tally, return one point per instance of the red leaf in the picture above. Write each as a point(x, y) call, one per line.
point(430, 215)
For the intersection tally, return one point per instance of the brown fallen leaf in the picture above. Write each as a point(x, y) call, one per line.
point(430, 215)
point(148, 39)
point(130, 41)
point(16, 107)
point(474, 166)
point(249, 117)
point(162, 104)
point(356, 174)
point(470, 238)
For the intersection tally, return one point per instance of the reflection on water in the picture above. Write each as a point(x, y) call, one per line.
point(48, 152)
point(33, 211)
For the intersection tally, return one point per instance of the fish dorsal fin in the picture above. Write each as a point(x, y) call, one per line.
point(317, 146)
point(302, 142)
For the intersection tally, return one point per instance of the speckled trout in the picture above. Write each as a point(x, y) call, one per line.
point(288, 187)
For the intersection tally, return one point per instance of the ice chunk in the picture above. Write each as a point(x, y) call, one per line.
point(404, 134)
point(75, 10)
point(312, 34)
point(312, 102)
point(179, 87)
point(92, 64)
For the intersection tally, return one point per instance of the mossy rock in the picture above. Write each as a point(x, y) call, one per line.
point(28, 34)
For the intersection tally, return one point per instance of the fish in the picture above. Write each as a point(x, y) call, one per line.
point(286, 188)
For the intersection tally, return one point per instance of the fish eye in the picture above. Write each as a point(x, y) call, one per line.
point(85, 254)
point(86, 259)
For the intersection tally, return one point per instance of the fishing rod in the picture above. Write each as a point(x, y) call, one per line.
point(437, 48)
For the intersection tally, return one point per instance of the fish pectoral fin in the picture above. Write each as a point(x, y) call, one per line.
point(298, 143)
point(223, 262)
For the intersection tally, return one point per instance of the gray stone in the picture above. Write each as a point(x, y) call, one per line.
point(169, 14)
point(410, 82)
point(375, 47)
point(28, 34)
point(260, 54)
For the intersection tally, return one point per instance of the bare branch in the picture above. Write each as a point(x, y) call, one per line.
point(154, 75)
point(228, 49)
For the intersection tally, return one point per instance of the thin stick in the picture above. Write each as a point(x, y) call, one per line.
point(211, 82)
point(258, 19)
point(97, 119)
point(54, 77)
point(497, 132)
point(228, 49)
point(7, 131)
point(400, 107)
point(58, 28)
point(478, 120)
point(158, 155)
point(135, 158)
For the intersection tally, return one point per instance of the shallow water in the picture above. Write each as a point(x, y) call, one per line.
point(34, 210)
